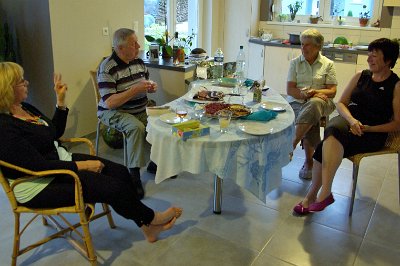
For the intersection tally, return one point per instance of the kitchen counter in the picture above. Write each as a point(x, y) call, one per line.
point(327, 49)
point(168, 65)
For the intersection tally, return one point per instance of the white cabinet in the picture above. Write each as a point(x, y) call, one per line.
point(276, 66)
point(391, 3)
point(240, 21)
point(255, 69)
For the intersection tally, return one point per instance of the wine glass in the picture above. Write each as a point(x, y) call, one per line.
point(181, 112)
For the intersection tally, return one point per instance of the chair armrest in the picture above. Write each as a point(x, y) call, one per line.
point(80, 140)
point(32, 175)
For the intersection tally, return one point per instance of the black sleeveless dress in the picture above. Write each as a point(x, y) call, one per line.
point(372, 104)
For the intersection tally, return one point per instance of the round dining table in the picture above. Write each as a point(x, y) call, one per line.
point(252, 153)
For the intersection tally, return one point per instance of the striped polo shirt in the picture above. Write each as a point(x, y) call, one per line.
point(116, 76)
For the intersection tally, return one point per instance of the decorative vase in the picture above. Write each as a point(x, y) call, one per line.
point(363, 22)
point(164, 53)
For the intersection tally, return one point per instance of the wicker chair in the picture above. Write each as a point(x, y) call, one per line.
point(93, 77)
point(81, 239)
point(392, 145)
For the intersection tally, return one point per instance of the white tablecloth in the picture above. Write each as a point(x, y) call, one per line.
point(254, 162)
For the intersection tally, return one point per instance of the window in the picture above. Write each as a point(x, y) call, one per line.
point(174, 15)
point(349, 9)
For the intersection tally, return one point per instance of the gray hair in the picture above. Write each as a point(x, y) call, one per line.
point(314, 35)
point(120, 36)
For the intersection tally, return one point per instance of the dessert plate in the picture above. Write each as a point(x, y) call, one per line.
point(274, 106)
point(256, 128)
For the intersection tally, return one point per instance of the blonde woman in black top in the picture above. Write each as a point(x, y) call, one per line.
point(29, 139)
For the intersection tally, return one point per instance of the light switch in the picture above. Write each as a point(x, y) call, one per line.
point(105, 31)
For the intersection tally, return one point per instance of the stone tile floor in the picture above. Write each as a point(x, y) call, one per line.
point(248, 232)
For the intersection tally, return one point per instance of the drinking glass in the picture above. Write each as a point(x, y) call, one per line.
point(181, 112)
point(224, 117)
point(199, 113)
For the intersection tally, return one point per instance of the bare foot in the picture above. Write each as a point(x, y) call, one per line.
point(164, 217)
point(151, 232)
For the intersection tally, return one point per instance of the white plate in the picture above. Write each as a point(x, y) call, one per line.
point(171, 118)
point(274, 106)
point(256, 128)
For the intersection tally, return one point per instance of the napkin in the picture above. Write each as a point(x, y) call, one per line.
point(262, 115)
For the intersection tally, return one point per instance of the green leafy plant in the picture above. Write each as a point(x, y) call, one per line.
point(293, 9)
point(364, 14)
point(163, 41)
point(282, 17)
point(185, 42)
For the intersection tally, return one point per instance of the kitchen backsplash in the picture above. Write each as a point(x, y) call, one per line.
point(356, 35)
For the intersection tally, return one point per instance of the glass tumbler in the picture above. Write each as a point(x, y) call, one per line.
point(224, 117)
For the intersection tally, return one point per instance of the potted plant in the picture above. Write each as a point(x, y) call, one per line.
point(315, 19)
point(293, 9)
point(340, 20)
point(282, 17)
point(364, 17)
point(163, 42)
point(184, 45)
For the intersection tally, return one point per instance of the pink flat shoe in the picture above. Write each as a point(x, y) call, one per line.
point(320, 206)
point(300, 209)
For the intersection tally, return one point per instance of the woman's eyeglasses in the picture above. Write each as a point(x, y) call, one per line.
point(23, 82)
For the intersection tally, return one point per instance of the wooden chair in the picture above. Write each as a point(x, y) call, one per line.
point(79, 239)
point(93, 77)
point(392, 145)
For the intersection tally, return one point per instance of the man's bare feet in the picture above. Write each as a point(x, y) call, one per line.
point(161, 218)
point(151, 232)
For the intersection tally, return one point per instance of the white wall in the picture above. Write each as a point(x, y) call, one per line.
point(78, 46)
point(66, 36)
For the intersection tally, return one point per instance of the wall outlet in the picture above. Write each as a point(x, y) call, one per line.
point(105, 31)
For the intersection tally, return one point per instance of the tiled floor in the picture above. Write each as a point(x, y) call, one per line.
point(248, 232)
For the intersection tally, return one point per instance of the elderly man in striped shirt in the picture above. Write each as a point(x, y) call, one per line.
point(123, 84)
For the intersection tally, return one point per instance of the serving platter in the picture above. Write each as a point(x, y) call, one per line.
point(238, 110)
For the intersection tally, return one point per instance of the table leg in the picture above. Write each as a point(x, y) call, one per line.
point(217, 194)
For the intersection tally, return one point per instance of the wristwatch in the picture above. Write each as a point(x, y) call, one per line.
point(63, 108)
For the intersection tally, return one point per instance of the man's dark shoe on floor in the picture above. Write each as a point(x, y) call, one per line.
point(137, 183)
point(152, 168)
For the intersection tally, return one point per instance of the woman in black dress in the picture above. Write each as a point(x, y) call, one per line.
point(368, 109)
